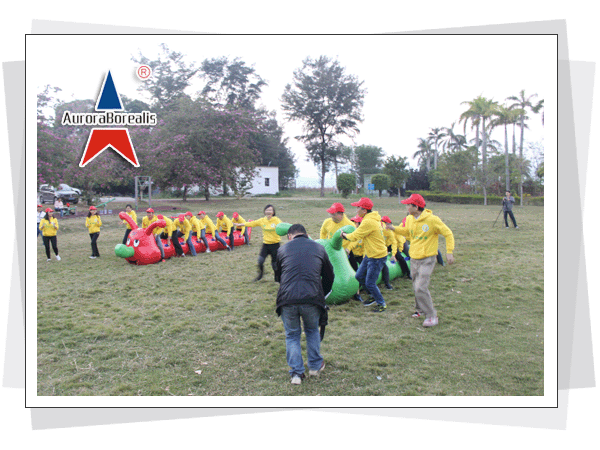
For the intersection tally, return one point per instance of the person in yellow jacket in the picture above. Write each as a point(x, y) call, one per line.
point(131, 213)
point(356, 253)
point(237, 219)
point(271, 239)
point(225, 224)
point(371, 233)
point(49, 227)
point(337, 220)
point(211, 228)
point(389, 237)
point(146, 221)
point(199, 228)
point(188, 233)
point(182, 228)
point(422, 228)
point(93, 224)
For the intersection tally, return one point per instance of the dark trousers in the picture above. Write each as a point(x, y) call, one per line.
point(47, 241)
point(175, 241)
point(231, 244)
point(94, 238)
point(512, 217)
point(266, 250)
point(127, 231)
point(354, 260)
point(400, 259)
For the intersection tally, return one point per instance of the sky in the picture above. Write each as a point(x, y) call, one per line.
point(413, 82)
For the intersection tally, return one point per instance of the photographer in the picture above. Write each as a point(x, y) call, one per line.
point(507, 204)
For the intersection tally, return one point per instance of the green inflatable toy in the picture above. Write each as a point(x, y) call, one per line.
point(345, 285)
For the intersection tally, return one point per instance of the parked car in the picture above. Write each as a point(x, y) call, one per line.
point(47, 194)
point(66, 187)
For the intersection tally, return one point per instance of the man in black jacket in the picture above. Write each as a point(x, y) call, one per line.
point(305, 275)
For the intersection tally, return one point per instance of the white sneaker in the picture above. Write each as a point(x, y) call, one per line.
point(314, 373)
point(57, 258)
point(297, 379)
point(48, 260)
point(92, 257)
point(430, 322)
point(207, 250)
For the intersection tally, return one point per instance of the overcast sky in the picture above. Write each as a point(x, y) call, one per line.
point(414, 83)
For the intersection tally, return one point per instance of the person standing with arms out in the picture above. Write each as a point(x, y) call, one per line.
point(93, 223)
point(423, 230)
point(225, 224)
point(237, 219)
point(507, 204)
point(40, 215)
point(271, 239)
point(371, 233)
point(49, 227)
point(305, 277)
point(131, 213)
point(146, 221)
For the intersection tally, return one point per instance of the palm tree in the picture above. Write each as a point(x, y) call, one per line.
point(479, 110)
point(523, 103)
point(424, 152)
point(435, 136)
point(505, 116)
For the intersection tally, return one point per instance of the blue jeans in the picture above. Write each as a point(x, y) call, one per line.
point(367, 275)
point(290, 315)
point(191, 245)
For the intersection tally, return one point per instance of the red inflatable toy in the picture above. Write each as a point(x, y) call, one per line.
point(141, 248)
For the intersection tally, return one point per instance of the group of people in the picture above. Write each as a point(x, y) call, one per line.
point(306, 276)
point(187, 225)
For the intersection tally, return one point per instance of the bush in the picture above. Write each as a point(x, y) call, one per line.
point(381, 182)
point(472, 199)
point(346, 183)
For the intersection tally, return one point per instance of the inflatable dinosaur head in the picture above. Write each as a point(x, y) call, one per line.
point(141, 246)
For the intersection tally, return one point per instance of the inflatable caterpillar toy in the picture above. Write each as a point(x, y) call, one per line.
point(141, 248)
point(345, 285)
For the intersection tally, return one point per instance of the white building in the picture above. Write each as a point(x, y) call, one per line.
point(266, 182)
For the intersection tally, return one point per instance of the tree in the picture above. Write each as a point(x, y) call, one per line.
point(368, 159)
point(479, 110)
point(346, 183)
point(434, 137)
point(381, 182)
point(505, 116)
point(171, 75)
point(46, 102)
point(424, 153)
point(231, 83)
point(328, 102)
point(458, 167)
point(396, 168)
point(453, 141)
point(522, 102)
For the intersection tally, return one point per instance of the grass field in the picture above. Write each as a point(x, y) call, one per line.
point(106, 327)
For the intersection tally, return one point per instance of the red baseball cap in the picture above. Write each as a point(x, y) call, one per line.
point(386, 219)
point(335, 208)
point(414, 199)
point(356, 218)
point(39, 206)
point(220, 214)
point(364, 203)
point(150, 210)
point(48, 210)
point(189, 213)
point(235, 215)
point(201, 212)
point(160, 217)
point(181, 218)
point(92, 207)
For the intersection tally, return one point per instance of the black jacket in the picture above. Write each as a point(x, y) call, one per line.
point(304, 272)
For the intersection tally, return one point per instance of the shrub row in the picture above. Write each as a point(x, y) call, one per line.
point(471, 199)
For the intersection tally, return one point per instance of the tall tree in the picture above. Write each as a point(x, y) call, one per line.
point(424, 153)
point(368, 159)
point(171, 75)
point(231, 83)
point(504, 116)
point(397, 169)
point(435, 136)
point(523, 103)
point(329, 104)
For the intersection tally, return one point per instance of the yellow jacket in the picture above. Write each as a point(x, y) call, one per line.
point(268, 227)
point(239, 220)
point(146, 223)
point(329, 228)
point(208, 224)
point(169, 227)
point(371, 233)
point(47, 227)
point(184, 227)
point(93, 223)
point(197, 225)
point(389, 237)
point(423, 234)
point(224, 224)
point(133, 215)
point(356, 247)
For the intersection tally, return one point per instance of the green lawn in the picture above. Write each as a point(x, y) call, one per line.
point(106, 327)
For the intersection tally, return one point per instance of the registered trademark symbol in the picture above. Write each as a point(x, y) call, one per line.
point(144, 72)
